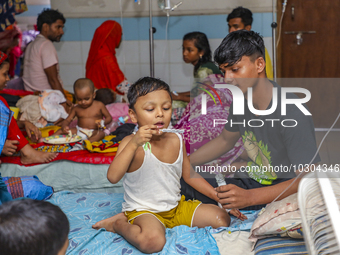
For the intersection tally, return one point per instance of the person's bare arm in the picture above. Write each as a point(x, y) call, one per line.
point(107, 115)
point(52, 76)
point(122, 160)
point(195, 180)
point(215, 148)
point(10, 147)
point(181, 96)
point(240, 198)
point(231, 196)
point(126, 152)
point(65, 124)
point(30, 130)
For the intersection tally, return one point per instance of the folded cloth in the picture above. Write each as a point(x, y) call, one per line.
point(122, 131)
point(5, 196)
point(103, 146)
point(30, 111)
point(29, 187)
point(48, 130)
point(49, 103)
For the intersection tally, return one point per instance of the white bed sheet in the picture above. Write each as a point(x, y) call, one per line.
point(235, 243)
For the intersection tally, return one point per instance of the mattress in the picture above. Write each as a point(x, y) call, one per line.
point(280, 246)
point(85, 209)
point(67, 175)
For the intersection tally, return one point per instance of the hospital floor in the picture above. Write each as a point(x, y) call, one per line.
point(330, 149)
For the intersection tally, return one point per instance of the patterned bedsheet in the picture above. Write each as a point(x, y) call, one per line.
point(84, 209)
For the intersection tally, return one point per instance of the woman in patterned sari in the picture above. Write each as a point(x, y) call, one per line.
point(199, 129)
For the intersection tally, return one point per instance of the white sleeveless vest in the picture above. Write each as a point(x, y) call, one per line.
point(155, 186)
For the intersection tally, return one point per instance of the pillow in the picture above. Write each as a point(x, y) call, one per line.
point(117, 110)
point(28, 186)
point(295, 232)
point(278, 218)
point(279, 245)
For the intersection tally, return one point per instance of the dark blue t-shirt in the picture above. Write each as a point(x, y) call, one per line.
point(276, 144)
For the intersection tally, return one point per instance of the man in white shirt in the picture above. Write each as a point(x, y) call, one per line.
point(41, 68)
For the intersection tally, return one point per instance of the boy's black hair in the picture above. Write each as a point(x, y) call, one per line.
point(238, 44)
point(245, 14)
point(202, 44)
point(49, 16)
point(144, 86)
point(32, 227)
point(105, 95)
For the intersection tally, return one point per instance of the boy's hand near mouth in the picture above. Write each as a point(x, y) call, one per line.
point(144, 134)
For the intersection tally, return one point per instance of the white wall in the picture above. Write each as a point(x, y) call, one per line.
point(38, 2)
point(133, 58)
point(133, 54)
point(113, 8)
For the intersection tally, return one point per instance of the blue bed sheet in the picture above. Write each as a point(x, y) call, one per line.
point(237, 224)
point(85, 209)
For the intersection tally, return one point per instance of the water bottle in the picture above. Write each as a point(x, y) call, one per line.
point(220, 182)
point(116, 123)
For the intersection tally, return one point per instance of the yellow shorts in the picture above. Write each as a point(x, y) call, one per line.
point(182, 214)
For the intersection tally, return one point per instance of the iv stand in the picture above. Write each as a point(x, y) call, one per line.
point(274, 25)
point(151, 47)
point(152, 30)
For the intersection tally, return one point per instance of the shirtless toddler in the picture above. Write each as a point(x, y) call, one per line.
point(88, 111)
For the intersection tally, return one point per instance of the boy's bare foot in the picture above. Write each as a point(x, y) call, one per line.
point(108, 223)
point(32, 156)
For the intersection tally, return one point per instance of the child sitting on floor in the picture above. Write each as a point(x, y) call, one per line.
point(33, 227)
point(89, 113)
point(153, 163)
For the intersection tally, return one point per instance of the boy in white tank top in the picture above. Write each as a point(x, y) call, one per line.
point(152, 163)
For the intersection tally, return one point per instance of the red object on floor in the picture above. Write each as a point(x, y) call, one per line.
point(82, 156)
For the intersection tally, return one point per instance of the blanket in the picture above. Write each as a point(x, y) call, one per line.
point(103, 146)
point(81, 156)
point(85, 209)
point(16, 92)
point(75, 151)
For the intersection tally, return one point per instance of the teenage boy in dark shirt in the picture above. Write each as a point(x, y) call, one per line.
point(271, 146)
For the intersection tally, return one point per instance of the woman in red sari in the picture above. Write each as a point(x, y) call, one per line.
point(102, 66)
